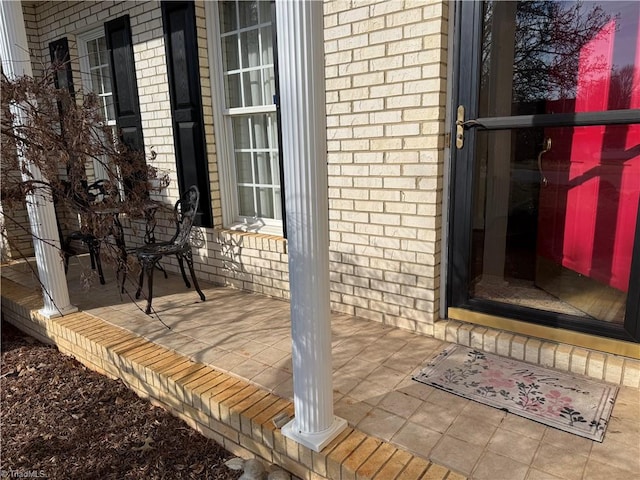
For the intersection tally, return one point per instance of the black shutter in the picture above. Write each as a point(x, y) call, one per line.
point(60, 60)
point(125, 93)
point(63, 80)
point(276, 100)
point(183, 68)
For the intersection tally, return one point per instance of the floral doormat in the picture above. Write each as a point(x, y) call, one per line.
point(575, 404)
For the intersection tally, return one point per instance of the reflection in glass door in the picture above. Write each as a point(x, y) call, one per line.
point(554, 167)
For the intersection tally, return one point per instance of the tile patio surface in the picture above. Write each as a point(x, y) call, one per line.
point(248, 335)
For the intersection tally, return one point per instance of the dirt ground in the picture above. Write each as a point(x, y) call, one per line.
point(60, 420)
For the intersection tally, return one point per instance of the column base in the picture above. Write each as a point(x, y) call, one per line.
point(314, 441)
point(54, 312)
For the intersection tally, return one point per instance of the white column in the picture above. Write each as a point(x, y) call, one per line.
point(16, 62)
point(304, 130)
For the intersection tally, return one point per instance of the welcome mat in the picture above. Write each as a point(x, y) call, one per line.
point(577, 405)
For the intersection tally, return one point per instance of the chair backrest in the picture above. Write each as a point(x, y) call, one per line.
point(101, 193)
point(81, 204)
point(185, 211)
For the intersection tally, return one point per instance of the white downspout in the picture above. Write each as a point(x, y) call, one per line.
point(304, 145)
point(16, 62)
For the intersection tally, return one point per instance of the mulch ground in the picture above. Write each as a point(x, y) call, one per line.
point(60, 420)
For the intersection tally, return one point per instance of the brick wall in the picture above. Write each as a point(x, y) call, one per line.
point(386, 79)
point(16, 233)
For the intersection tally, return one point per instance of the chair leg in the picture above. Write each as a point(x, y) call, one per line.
point(67, 255)
point(122, 261)
point(92, 257)
point(189, 259)
point(161, 268)
point(66, 262)
point(140, 280)
point(95, 249)
point(184, 275)
point(122, 268)
point(149, 267)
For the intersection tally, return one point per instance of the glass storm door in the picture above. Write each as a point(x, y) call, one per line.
point(546, 170)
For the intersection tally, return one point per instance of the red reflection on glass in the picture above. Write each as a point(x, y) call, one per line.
point(588, 210)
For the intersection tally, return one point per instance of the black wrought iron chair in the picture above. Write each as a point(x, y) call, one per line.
point(94, 227)
point(184, 211)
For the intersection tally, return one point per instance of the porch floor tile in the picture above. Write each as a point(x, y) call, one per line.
point(248, 336)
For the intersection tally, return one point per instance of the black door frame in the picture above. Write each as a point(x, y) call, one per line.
point(466, 61)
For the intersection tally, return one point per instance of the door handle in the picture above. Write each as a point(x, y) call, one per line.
point(461, 124)
point(545, 148)
point(460, 127)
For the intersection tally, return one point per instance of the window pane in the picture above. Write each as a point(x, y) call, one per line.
point(254, 131)
point(228, 19)
point(106, 80)
point(277, 204)
point(232, 89)
point(241, 137)
point(267, 45)
point(263, 168)
point(93, 53)
point(245, 202)
point(274, 132)
point(243, 168)
point(275, 161)
point(102, 51)
point(110, 111)
point(250, 49)
point(252, 84)
point(248, 13)
point(230, 53)
point(265, 12)
point(269, 81)
point(96, 83)
point(265, 202)
point(261, 126)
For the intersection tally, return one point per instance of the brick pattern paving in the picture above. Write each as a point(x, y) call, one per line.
point(247, 336)
point(234, 412)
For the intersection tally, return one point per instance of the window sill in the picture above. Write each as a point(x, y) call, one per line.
point(260, 240)
point(262, 233)
point(257, 228)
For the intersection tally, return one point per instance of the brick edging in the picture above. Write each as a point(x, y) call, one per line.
point(601, 366)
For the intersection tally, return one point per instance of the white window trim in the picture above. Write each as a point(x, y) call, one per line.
point(83, 53)
point(82, 39)
point(223, 137)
